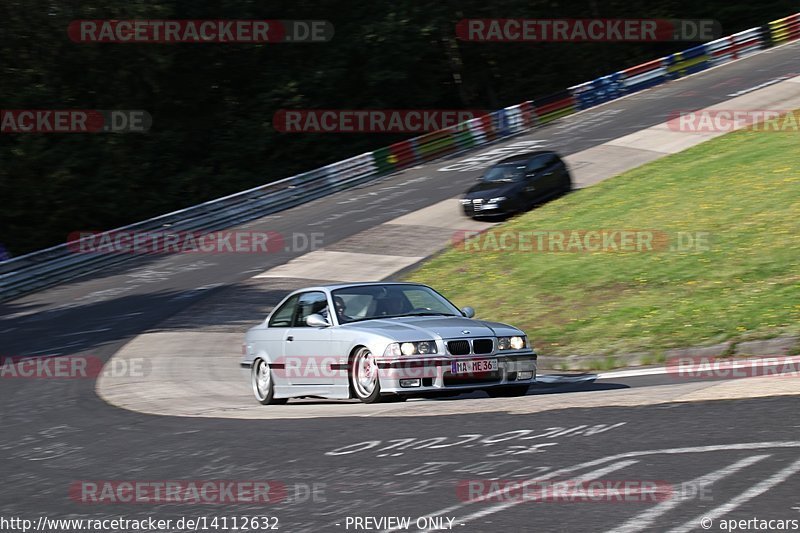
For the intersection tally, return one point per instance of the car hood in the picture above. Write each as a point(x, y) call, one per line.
point(486, 190)
point(417, 328)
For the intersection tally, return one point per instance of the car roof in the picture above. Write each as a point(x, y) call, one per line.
point(524, 157)
point(334, 286)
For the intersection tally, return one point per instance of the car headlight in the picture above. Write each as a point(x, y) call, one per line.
point(426, 347)
point(511, 343)
point(464, 201)
point(408, 348)
point(497, 199)
point(396, 349)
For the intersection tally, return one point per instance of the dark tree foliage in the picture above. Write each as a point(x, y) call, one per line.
point(212, 104)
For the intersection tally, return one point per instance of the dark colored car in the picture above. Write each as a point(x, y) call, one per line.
point(517, 183)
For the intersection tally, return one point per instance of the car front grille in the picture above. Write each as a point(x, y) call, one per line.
point(466, 347)
point(472, 206)
point(482, 346)
point(458, 347)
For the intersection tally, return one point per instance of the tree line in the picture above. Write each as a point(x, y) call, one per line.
point(212, 104)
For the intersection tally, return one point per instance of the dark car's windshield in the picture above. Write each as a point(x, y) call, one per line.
point(505, 173)
point(364, 302)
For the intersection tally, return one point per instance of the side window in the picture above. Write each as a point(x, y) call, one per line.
point(553, 159)
point(308, 304)
point(282, 318)
point(537, 163)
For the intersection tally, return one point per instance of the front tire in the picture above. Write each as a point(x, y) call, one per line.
point(263, 384)
point(365, 383)
point(511, 391)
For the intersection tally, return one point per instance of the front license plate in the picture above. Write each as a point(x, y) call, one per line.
point(474, 366)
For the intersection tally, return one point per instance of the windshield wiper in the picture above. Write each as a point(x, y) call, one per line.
point(425, 313)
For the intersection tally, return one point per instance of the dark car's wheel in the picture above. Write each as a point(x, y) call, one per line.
point(263, 384)
point(508, 392)
point(364, 381)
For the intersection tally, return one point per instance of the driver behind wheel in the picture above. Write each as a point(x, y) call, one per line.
point(392, 305)
point(338, 302)
point(340, 306)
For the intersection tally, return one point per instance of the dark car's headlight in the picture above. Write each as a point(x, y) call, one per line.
point(396, 349)
point(497, 199)
point(516, 342)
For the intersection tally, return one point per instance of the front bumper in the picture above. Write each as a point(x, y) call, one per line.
point(434, 374)
point(479, 208)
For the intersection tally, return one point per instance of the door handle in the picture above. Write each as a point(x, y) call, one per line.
point(548, 173)
point(290, 338)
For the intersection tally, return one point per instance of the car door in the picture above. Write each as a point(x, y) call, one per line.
point(551, 174)
point(271, 341)
point(536, 185)
point(307, 350)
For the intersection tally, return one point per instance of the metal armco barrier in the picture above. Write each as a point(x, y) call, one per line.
point(643, 76)
point(785, 30)
point(555, 106)
point(598, 91)
point(685, 63)
point(52, 265)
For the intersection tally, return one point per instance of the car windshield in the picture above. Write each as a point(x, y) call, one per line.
point(505, 173)
point(365, 302)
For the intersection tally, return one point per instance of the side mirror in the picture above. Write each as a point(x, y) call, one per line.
point(317, 321)
point(468, 312)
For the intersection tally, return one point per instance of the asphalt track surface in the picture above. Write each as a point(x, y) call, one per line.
point(743, 452)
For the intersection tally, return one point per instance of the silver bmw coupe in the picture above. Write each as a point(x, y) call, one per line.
point(382, 341)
